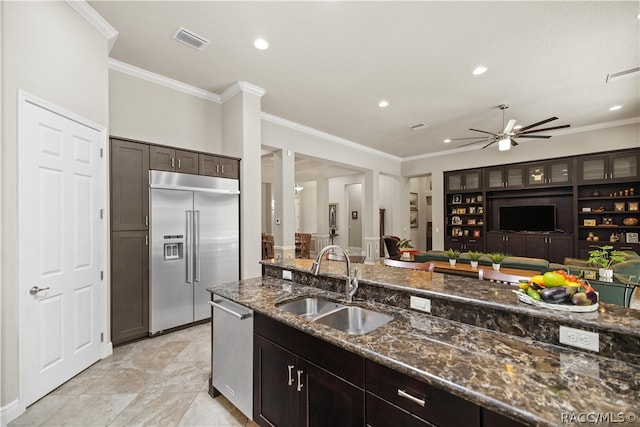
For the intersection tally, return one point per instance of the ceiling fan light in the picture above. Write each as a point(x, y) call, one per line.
point(504, 144)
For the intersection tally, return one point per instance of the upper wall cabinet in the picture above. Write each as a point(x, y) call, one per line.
point(504, 177)
point(470, 180)
point(218, 166)
point(557, 172)
point(612, 167)
point(168, 159)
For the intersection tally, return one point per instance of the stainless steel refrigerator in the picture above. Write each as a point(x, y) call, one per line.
point(194, 244)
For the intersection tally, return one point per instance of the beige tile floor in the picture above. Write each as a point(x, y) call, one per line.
point(161, 381)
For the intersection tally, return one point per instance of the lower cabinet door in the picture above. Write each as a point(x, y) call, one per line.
point(327, 400)
point(381, 413)
point(274, 395)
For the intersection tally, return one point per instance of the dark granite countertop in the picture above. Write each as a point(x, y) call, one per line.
point(530, 381)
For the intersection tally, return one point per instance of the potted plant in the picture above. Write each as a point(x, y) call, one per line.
point(474, 257)
point(604, 257)
point(453, 255)
point(496, 259)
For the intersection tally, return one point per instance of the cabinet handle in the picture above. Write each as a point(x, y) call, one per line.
point(626, 248)
point(146, 240)
point(406, 395)
point(173, 162)
point(179, 161)
point(146, 220)
point(217, 169)
point(299, 380)
point(222, 168)
point(290, 382)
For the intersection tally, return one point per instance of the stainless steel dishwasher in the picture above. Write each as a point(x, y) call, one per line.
point(232, 353)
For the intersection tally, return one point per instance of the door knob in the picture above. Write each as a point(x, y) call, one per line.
point(34, 290)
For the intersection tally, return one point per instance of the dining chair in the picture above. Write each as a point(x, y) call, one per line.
point(500, 277)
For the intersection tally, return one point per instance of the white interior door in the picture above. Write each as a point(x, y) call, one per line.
point(61, 243)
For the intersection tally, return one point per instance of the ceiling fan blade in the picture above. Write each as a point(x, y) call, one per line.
point(535, 136)
point(510, 124)
point(484, 131)
point(542, 130)
point(513, 142)
point(550, 119)
point(492, 142)
point(471, 137)
point(472, 143)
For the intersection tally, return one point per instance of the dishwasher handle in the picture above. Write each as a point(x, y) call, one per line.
point(241, 316)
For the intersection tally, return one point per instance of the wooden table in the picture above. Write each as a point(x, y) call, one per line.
point(462, 269)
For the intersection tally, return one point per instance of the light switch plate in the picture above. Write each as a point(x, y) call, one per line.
point(579, 338)
point(422, 304)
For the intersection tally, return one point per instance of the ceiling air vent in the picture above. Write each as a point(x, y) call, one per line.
point(631, 72)
point(418, 126)
point(193, 40)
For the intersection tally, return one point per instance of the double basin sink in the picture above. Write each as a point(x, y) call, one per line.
point(352, 320)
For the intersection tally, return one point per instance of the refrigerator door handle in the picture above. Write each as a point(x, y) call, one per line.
point(187, 251)
point(196, 245)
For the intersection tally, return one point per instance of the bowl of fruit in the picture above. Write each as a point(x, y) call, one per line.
point(558, 290)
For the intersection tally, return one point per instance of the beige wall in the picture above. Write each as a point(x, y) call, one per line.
point(51, 52)
point(146, 111)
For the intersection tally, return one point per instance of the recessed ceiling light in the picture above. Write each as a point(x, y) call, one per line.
point(261, 44)
point(615, 107)
point(479, 70)
point(384, 103)
point(446, 141)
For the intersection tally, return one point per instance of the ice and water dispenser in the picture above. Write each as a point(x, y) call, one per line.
point(173, 250)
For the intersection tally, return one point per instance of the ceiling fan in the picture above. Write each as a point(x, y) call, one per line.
point(506, 138)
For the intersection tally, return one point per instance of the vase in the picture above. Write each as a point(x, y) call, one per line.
point(452, 262)
point(474, 264)
point(495, 266)
point(605, 273)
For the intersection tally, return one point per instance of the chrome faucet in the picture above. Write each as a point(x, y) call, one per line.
point(351, 285)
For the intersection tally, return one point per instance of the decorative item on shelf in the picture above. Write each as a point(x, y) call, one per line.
point(480, 210)
point(474, 257)
point(607, 220)
point(479, 198)
point(589, 222)
point(600, 209)
point(465, 232)
point(456, 231)
point(589, 275)
point(467, 200)
point(473, 200)
point(472, 210)
point(586, 209)
point(614, 238)
point(631, 237)
point(632, 191)
point(590, 236)
point(456, 199)
point(595, 193)
point(633, 206)
point(480, 222)
point(604, 257)
point(630, 221)
point(496, 259)
point(476, 233)
point(455, 220)
point(471, 222)
point(626, 193)
point(452, 255)
point(618, 206)
point(461, 211)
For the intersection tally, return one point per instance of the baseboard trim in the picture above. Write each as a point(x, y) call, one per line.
point(10, 412)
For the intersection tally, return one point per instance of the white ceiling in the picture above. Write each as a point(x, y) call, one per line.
point(329, 63)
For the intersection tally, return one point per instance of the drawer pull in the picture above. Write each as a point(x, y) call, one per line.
point(290, 382)
point(406, 395)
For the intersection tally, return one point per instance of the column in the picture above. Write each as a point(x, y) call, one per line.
point(322, 206)
point(283, 225)
point(371, 216)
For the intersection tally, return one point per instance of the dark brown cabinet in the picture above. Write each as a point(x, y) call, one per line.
point(504, 177)
point(223, 167)
point(609, 167)
point(467, 180)
point(129, 185)
point(508, 243)
point(552, 247)
point(290, 390)
point(463, 244)
point(169, 159)
point(129, 285)
point(548, 173)
point(414, 401)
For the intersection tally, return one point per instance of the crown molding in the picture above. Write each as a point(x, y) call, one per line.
point(149, 76)
point(241, 86)
point(95, 19)
point(317, 133)
point(567, 131)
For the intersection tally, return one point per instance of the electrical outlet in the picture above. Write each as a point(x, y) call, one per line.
point(579, 338)
point(286, 274)
point(422, 304)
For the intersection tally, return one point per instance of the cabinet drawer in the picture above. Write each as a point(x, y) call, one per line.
point(381, 413)
point(440, 407)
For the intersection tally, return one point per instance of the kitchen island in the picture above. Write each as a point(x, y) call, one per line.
point(479, 343)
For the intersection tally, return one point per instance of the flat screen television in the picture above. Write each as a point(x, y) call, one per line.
point(527, 218)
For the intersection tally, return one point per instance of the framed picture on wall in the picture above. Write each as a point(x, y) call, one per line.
point(633, 206)
point(457, 199)
point(413, 219)
point(618, 206)
point(413, 200)
point(333, 216)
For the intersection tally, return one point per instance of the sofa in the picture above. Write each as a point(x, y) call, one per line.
point(610, 294)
